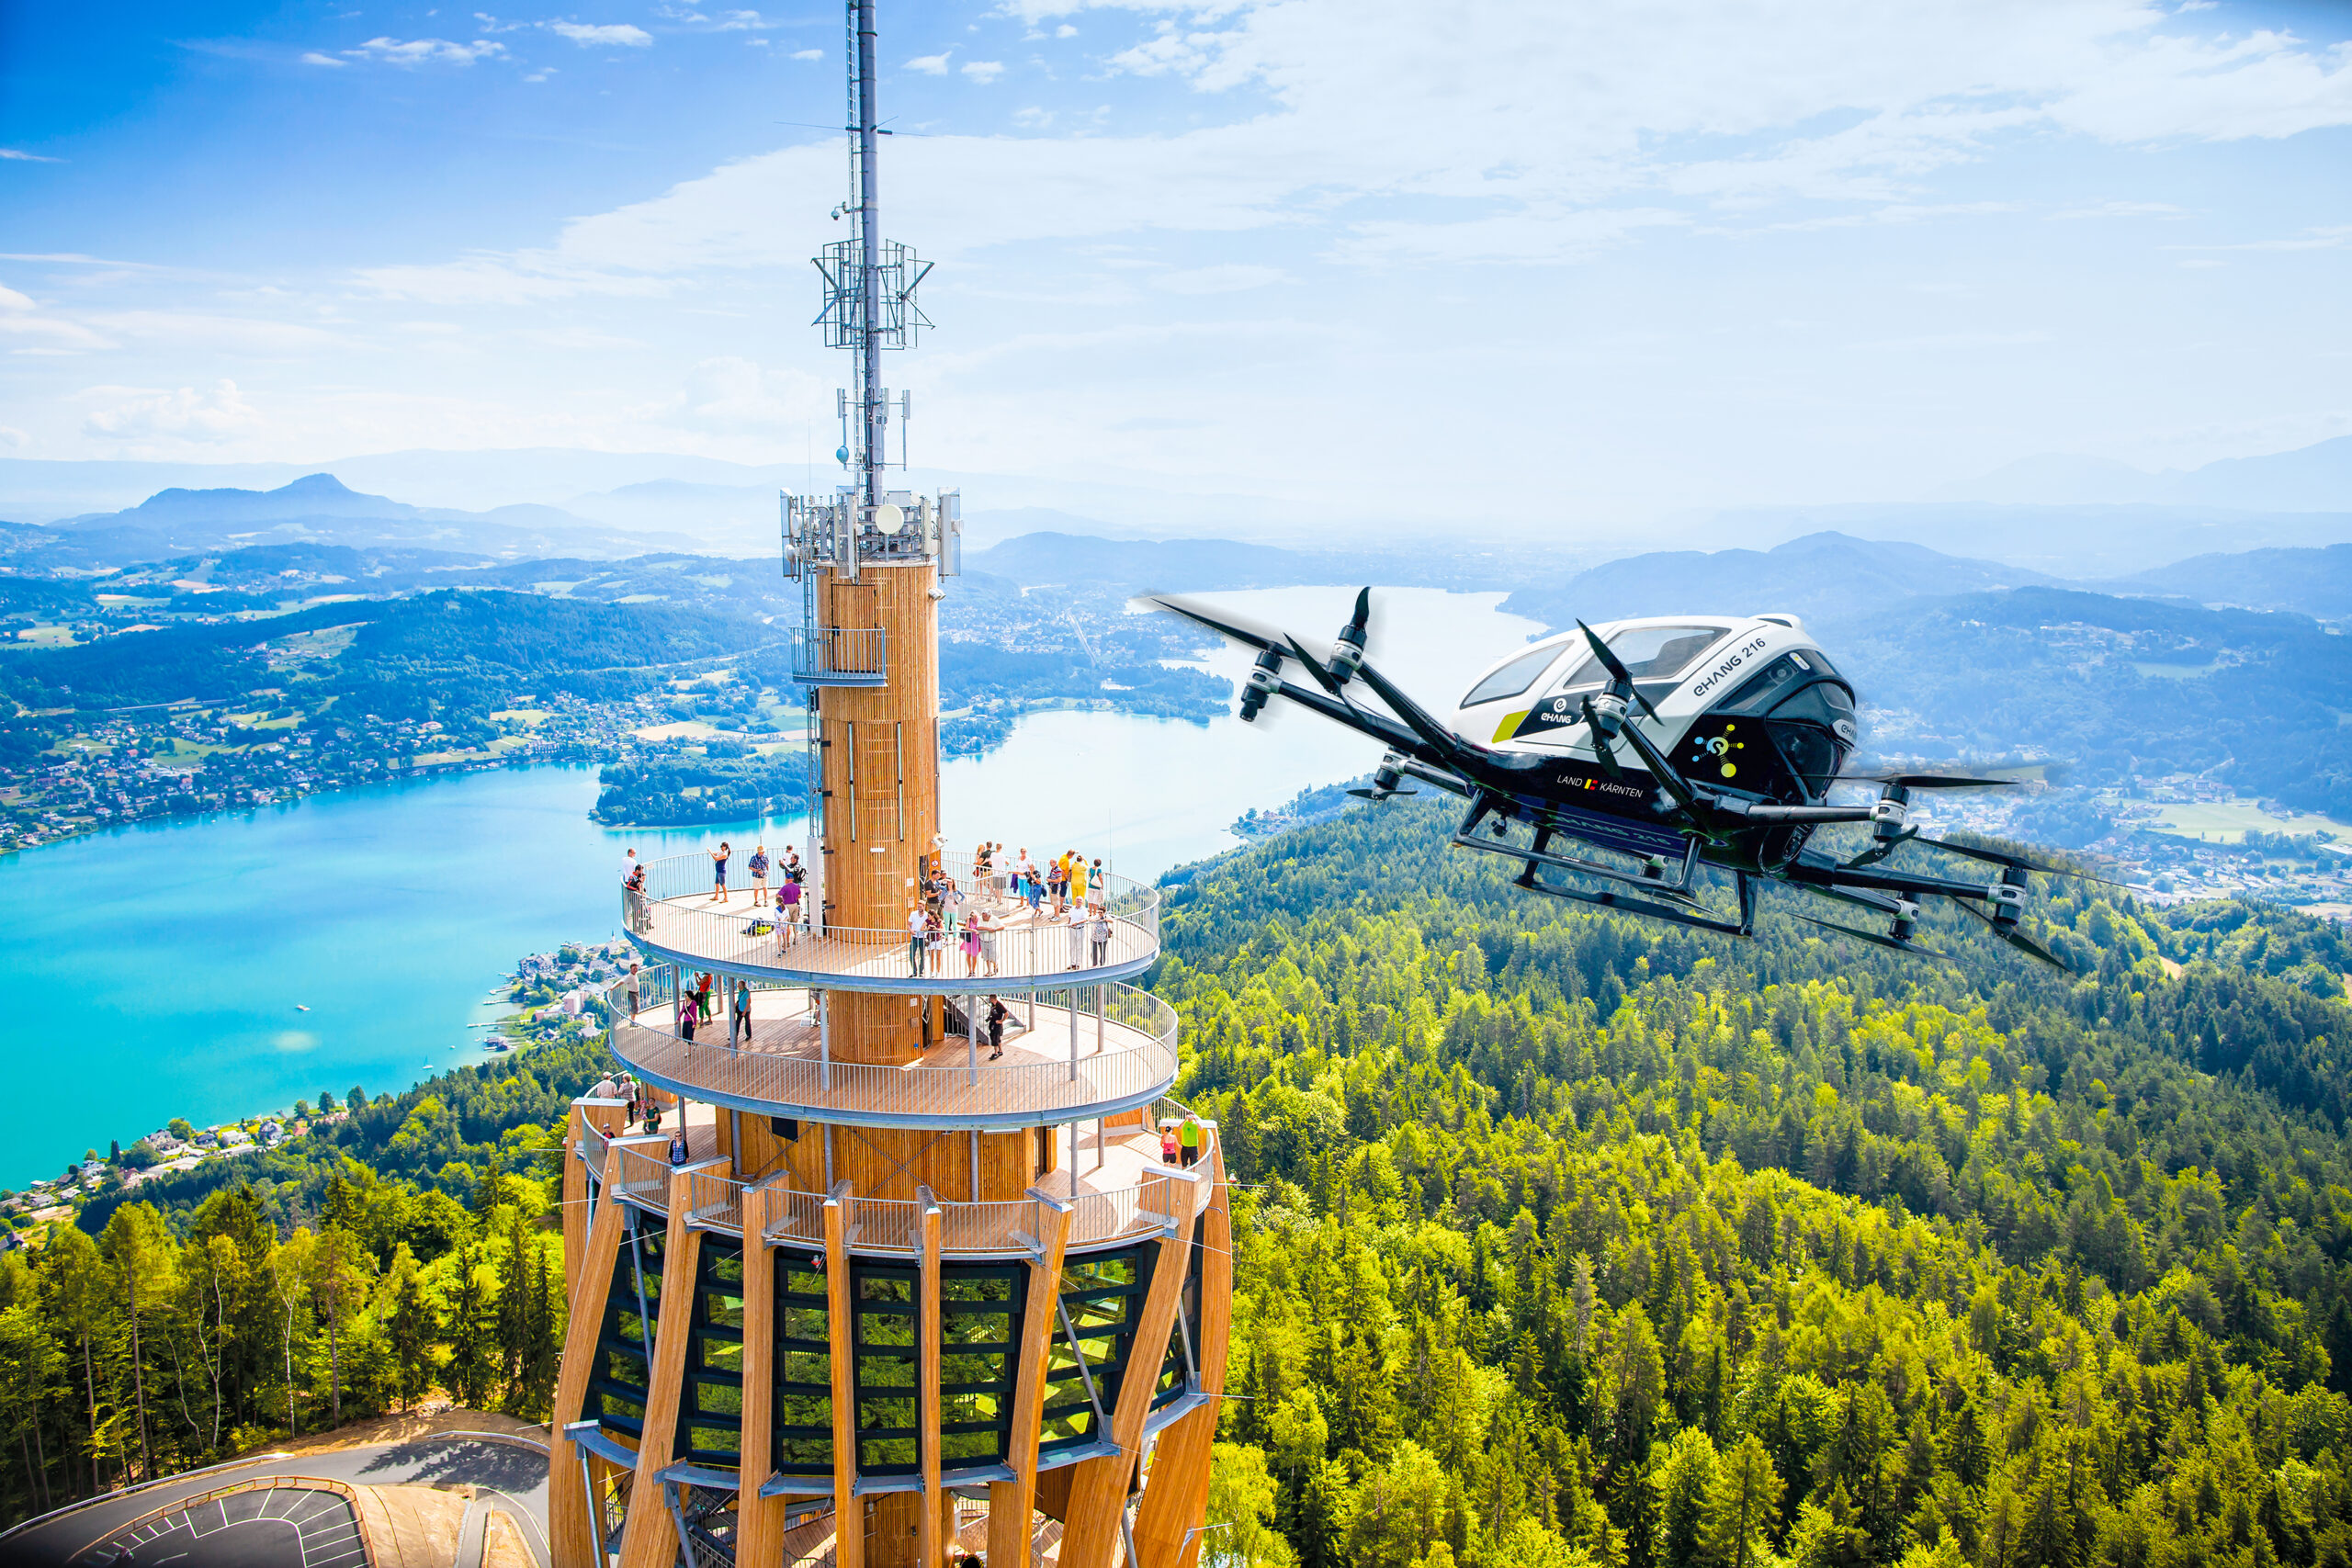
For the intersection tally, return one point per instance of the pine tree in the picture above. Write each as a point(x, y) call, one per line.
point(472, 1370)
point(1742, 1506)
point(514, 1310)
point(411, 1331)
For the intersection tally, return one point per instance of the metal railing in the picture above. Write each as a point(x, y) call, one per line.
point(1108, 1044)
point(676, 913)
point(840, 656)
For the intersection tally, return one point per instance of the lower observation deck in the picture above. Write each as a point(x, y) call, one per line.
point(1103, 1050)
point(1022, 948)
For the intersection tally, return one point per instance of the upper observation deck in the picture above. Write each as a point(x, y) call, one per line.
point(1022, 949)
point(1088, 1053)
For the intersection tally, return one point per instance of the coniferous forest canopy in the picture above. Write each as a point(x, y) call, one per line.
point(1566, 1239)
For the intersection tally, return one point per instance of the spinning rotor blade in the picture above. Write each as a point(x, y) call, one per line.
point(1322, 676)
point(1253, 639)
point(1922, 781)
point(2018, 940)
point(1874, 937)
point(1617, 671)
point(1379, 795)
point(1997, 857)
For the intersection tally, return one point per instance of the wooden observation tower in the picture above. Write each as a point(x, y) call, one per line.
point(878, 1292)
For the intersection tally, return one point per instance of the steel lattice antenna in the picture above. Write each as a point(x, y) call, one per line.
point(870, 282)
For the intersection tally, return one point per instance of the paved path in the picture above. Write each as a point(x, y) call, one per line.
point(513, 1477)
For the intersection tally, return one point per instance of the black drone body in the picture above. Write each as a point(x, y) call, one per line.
point(1637, 753)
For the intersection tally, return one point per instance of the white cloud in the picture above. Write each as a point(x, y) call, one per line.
point(1066, 30)
point(984, 71)
point(1231, 278)
point(419, 52)
point(2123, 210)
point(18, 155)
point(615, 34)
point(733, 395)
point(1033, 117)
point(808, 55)
point(135, 414)
point(312, 57)
point(1471, 135)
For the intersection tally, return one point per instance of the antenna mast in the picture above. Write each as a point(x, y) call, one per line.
point(869, 283)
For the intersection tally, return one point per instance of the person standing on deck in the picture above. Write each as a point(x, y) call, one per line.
point(633, 995)
point(787, 911)
point(759, 869)
point(987, 944)
point(1188, 1138)
point(1077, 878)
point(702, 995)
point(1077, 937)
point(1098, 932)
point(971, 944)
point(741, 1018)
point(997, 1013)
point(718, 873)
point(934, 940)
point(917, 920)
point(687, 1017)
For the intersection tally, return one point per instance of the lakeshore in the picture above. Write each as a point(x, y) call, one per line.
point(186, 947)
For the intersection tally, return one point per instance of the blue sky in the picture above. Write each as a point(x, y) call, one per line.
point(1567, 263)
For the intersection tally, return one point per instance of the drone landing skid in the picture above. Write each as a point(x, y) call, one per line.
point(1610, 900)
point(1652, 880)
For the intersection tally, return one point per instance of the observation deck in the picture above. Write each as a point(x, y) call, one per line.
point(1111, 1183)
point(678, 919)
point(840, 656)
point(1096, 1053)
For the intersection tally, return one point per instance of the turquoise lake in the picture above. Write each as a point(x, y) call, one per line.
point(161, 970)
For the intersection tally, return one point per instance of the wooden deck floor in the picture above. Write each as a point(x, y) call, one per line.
point(1048, 1070)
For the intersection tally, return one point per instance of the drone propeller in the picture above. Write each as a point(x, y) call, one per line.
point(1921, 781)
point(1617, 671)
point(2018, 940)
point(1376, 795)
point(1602, 750)
point(1873, 937)
point(1323, 677)
point(2018, 863)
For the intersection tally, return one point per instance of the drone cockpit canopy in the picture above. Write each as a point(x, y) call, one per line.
point(1748, 704)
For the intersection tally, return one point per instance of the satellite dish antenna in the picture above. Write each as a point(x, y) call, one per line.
point(890, 518)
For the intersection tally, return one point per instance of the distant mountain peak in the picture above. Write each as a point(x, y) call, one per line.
point(313, 484)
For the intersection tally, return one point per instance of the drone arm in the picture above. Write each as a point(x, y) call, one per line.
point(1834, 878)
point(1389, 733)
point(1752, 811)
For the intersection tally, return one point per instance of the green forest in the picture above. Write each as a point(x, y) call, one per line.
point(1573, 1241)
point(1565, 1239)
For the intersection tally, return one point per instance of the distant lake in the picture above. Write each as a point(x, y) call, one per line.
point(158, 970)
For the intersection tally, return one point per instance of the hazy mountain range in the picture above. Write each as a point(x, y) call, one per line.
point(320, 508)
point(2313, 478)
point(2078, 517)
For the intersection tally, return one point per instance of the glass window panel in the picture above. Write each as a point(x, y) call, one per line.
point(1513, 678)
